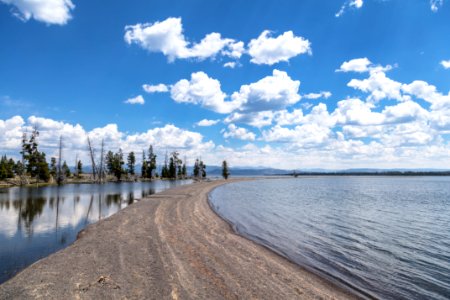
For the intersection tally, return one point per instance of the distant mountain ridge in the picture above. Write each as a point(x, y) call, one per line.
point(264, 171)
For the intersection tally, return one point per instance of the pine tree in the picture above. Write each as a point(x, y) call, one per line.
point(66, 170)
point(30, 153)
point(184, 170)
point(19, 168)
point(118, 165)
point(165, 168)
point(225, 171)
point(110, 162)
point(202, 169)
point(79, 168)
point(42, 171)
point(151, 161)
point(172, 169)
point(196, 168)
point(3, 171)
point(53, 169)
point(144, 165)
point(131, 160)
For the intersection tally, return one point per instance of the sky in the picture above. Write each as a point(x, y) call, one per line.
point(288, 84)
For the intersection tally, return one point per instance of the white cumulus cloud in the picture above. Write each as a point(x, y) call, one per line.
point(436, 4)
point(168, 38)
point(47, 11)
point(445, 64)
point(158, 88)
point(359, 65)
point(206, 122)
point(204, 91)
point(313, 96)
point(270, 50)
point(239, 133)
point(273, 92)
point(136, 100)
point(349, 4)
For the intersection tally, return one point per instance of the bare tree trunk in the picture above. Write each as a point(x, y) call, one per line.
point(101, 175)
point(59, 177)
point(91, 152)
point(76, 166)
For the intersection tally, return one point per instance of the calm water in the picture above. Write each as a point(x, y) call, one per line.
point(35, 222)
point(388, 237)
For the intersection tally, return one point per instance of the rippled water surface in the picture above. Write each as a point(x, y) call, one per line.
point(35, 222)
point(388, 237)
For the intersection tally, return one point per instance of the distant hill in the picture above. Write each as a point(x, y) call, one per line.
point(237, 171)
point(263, 171)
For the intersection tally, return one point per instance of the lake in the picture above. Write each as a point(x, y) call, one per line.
point(38, 221)
point(382, 237)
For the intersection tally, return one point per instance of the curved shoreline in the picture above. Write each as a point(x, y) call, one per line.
point(321, 273)
point(171, 245)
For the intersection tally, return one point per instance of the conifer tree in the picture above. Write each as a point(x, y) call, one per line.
point(53, 169)
point(202, 169)
point(225, 171)
point(196, 168)
point(172, 169)
point(144, 165)
point(79, 168)
point(184, 169)
point(131, 160)
point(151, 161)
point(66, 170)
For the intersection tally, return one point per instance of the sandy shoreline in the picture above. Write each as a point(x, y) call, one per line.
point(168, 246)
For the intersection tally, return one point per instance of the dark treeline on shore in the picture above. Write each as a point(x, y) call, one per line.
point(371, 173)
point(110, 166)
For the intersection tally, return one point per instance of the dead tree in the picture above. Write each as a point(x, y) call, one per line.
point(102, 155)
point(91, 152)
point(76, 166)
point(60, 176)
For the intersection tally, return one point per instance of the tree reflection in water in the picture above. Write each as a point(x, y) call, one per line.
point(35, 222)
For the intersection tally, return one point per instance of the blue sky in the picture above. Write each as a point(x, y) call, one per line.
point(295, 84)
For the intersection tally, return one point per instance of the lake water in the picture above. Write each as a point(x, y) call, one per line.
point(386, 237)
point(35, 222)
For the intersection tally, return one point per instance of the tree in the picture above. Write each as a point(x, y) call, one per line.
point(10, 168)
point(225, 171)
point(172, 168)
point(79, 168)
point(114, 164)
point(110, 162)
point(131, 160)
point(6, 168)
point(119, 165)
point(165, 168)
point(202, 169)
point(65, 170)
point(30, 153)
point(196, 168)
point(42, 172)
point(151, 162)
point(19, 168)
point(35, 163)
point(184, 169)
point(53, 169)
point(144, 166)
point(175, 165)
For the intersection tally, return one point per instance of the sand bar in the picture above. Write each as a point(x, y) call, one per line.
point(170, 245)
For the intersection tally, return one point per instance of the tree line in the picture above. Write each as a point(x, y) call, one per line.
point(33, 164)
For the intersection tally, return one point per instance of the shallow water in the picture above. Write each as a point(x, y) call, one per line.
point(386, 237)
point(35, 222)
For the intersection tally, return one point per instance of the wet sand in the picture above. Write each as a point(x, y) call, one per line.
point(170, 245)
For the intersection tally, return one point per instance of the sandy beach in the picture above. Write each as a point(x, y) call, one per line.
point(170, 245)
